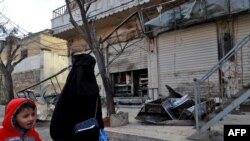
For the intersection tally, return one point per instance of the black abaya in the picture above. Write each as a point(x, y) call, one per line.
point(77, 101)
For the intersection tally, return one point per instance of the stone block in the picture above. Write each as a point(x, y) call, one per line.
point(119, 119)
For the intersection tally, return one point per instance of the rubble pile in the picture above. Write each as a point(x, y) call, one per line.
point(174, 107)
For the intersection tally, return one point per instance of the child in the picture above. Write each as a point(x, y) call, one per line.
point(19, 120)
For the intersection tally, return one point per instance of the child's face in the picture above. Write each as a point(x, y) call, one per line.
point(26, 118)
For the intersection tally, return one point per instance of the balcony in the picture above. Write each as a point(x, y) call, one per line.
point(99, 9)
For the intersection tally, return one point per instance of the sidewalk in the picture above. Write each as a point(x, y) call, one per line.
point(136, 131)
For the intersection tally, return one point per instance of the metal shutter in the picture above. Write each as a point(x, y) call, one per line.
point(186, 54)
point(242, 29)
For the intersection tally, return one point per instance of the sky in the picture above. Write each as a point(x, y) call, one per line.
point(31, 15)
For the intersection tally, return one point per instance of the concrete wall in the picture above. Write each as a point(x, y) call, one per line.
point(30, 63)
point(27, 72)
point(32, 44)
point(47, 55)
point(52, 64)
point(25, 79)
point(56, 45)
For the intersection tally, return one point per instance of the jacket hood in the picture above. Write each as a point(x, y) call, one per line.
point(10, 110)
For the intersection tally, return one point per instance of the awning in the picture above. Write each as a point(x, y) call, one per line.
point(98, 10)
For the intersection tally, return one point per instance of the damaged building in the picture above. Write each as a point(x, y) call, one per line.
point(154, 43)
point(125, 47)
point(191, 37)
point(44, 55)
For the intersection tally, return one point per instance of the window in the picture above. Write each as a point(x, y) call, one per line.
point(24, 53)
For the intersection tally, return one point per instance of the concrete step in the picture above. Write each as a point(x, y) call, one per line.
point(129, 100)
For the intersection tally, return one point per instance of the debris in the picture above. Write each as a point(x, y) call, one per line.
point(169, 110)
point(44, 100)
point(173, 93)
point(119, 119)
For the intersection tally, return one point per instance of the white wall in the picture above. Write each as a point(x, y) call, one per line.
point(52, 64)
point(30, 63)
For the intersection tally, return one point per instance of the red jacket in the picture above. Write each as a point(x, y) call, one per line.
point(8, 132)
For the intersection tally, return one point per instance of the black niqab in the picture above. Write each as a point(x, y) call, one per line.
point(77, 101)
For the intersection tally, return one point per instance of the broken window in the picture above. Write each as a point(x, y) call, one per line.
point(228, 44)
point(122, 84)
point(131, 83)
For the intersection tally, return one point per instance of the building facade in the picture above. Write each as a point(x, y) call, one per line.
point(168, 43)
point(46, 55)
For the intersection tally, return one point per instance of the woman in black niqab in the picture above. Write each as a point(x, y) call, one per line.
point(77, 101)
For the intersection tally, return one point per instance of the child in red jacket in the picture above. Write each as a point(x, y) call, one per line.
point(19, 120)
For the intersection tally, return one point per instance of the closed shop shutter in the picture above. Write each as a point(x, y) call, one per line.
point(187, 54)
point(133, 57)
point(242, 29)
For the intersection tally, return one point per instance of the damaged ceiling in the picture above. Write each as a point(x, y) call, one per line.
point(193, 11)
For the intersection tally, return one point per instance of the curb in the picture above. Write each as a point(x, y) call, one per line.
point(114, 136)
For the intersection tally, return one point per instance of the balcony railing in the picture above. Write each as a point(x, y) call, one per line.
point(63, 10)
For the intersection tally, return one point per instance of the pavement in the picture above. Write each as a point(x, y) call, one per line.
point(137, 131)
